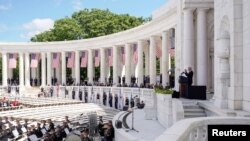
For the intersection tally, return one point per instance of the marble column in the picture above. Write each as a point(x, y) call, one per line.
point(58, 74)
point(128, 64)
point(63, 57)
point(152, 62)
point(49, 68)
point(103, 62)
point(10, 70)
point(202, 50)
point(165, 59)
point(43, 69)
point(146, 52)
point(77, 67)
point(21, 69)
point(90, 66)
point(115, 65)
point(188, 41)
point(27, 69)
point(140, 62)
point(4, 69)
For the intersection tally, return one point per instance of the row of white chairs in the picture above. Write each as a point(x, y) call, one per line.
point(57, 113)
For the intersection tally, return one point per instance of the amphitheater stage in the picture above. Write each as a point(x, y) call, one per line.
point(148, 130)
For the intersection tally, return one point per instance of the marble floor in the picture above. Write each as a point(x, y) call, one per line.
point(148, 130)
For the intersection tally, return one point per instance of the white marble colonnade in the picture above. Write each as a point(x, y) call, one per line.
point(46, 64)
point(47, 72)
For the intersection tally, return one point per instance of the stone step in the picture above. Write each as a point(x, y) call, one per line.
point(194, 116)
point(188, 115)
point(193, 110)
point(191, 107)
point(189, 102)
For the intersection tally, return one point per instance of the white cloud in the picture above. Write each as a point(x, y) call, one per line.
point(36, 26)
point(4, 7)
point(77, 4)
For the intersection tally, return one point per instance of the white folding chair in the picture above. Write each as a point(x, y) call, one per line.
point(33, 137)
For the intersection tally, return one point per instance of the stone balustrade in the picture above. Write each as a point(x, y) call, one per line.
point(196, 129)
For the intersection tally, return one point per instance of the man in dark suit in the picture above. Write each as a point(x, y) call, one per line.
point(189, 75)
point(116, 101)
point(73, 94)
point(35, 81)
point(110, 99)
point(104, 98)
point(86, 96)
point(80, 95)
point(51, 91)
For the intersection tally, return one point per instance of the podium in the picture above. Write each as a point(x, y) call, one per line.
point(183, 87)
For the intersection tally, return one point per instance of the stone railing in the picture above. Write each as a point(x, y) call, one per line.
point(146, 95)
point(12, 90)
point(196, 129)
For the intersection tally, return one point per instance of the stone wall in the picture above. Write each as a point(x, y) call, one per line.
point(246, 55)
point(169, 110)
point(164, 109)
point(228, 56)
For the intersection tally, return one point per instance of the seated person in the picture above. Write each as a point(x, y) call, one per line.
point(85, 136)
point(38, 131)
point(141, 105)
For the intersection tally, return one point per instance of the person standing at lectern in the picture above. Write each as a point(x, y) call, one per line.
point(189, 75)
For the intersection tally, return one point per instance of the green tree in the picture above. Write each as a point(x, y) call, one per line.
point(88, 24)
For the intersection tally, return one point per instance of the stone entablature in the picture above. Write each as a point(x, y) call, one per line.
point(193, 4)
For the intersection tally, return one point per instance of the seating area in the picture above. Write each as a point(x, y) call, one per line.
point(43, 101)
point(57, 113)
point(40, 101)
point(29, 117)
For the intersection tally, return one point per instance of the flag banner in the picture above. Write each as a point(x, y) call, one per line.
point(172, 39)
point(110, 57)
point(84, 59)
point(171, 52)
point(34, 60)
point(56, 60)
point(12, 61)
point(135, 54)
point(71, 60)
point(123, 55)
point(158, 50)
point(97, 58)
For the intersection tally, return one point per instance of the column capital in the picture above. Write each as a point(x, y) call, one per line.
point(188, 10)
point(142, 40)
point(165, 32)
point(202, 9)
point(155, 36)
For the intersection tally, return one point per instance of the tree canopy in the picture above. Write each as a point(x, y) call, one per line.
point(88, 24)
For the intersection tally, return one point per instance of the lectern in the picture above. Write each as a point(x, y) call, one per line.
point(183, 87)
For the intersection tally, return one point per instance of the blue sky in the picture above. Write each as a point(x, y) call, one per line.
point(21, 19)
